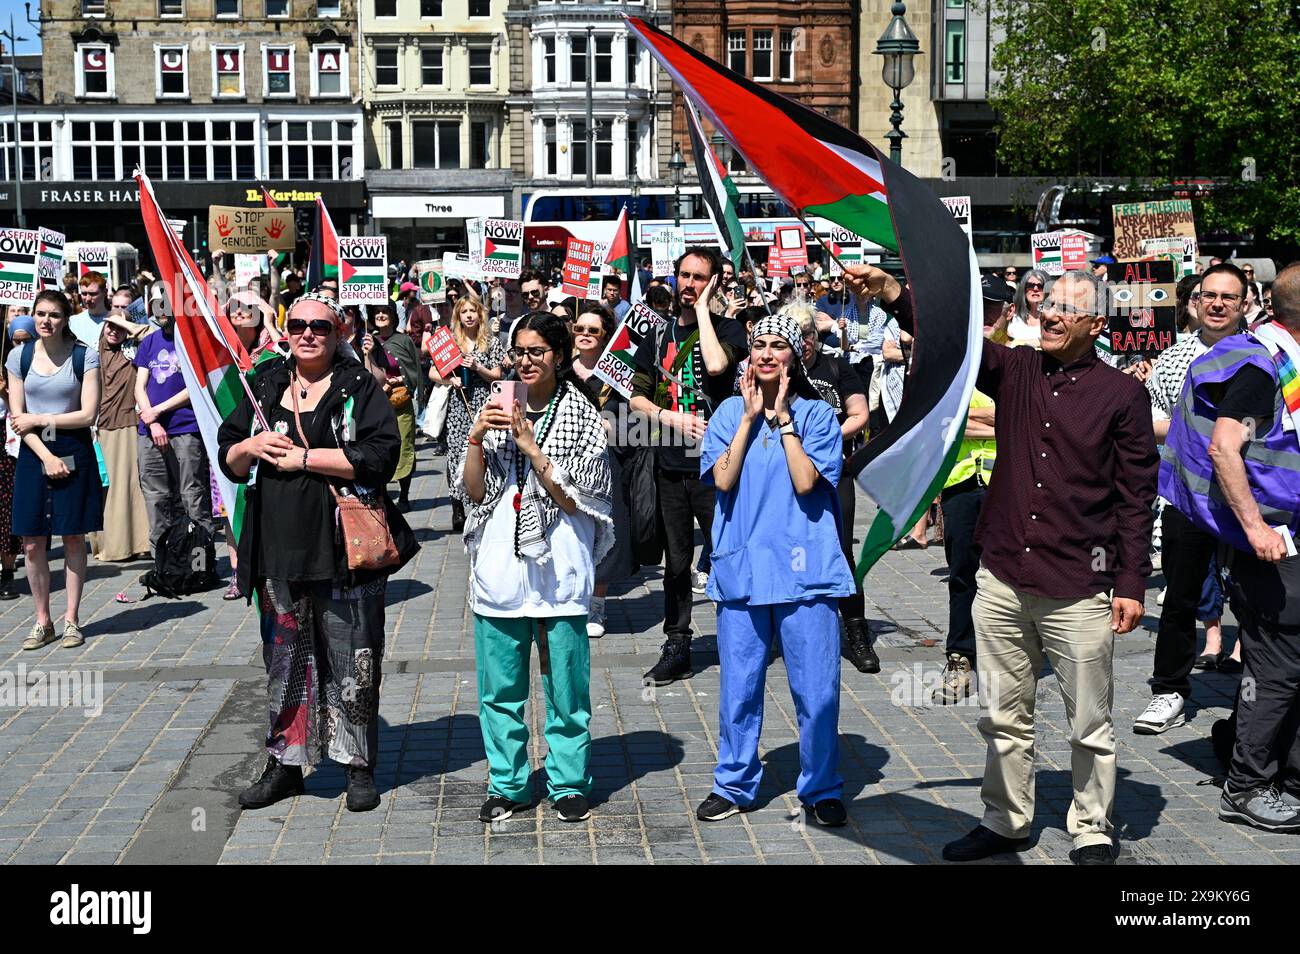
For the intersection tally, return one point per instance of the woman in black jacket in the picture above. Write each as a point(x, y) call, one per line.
point(322, 624)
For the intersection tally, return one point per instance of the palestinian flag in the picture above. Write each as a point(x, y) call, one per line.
point(323, 262)
point(267, 198)
point(363, 271)
point(720, 195)
point(818, 167)
point(19, 265)
point(212, 359)
point(618, 256)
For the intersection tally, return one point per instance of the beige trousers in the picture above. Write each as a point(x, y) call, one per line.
point(1013, 632)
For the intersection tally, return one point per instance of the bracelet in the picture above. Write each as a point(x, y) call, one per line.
point(471, 440)
point(304, 459)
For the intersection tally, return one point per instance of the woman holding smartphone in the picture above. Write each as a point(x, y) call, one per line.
point(54, 396)
point(535, 478)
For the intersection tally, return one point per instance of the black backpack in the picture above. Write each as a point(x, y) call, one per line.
point(184, 563)
point(29, 352)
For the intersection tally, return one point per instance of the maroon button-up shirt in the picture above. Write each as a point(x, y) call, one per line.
point(1068, 511)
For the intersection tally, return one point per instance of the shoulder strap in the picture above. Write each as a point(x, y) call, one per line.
point(25, 359)
point(306, 444)
point(79, 360)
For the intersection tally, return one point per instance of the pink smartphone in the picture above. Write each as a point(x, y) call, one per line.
point(505, 393)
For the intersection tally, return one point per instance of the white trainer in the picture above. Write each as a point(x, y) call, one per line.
point(596, 619)
point(1163, 712)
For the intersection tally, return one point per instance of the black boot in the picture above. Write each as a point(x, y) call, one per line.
point(362, 794)
point(674, 662)
point(457, 516)
point(8, 588)
point(278, 782)
point(856, 646)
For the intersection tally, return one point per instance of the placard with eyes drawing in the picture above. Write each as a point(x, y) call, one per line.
point(1141, 308)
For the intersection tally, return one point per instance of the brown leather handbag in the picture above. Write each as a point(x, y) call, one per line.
point(366, 537)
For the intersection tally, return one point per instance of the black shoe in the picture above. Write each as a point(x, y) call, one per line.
point(829, 812)
point(572, 808)
point(439, 448)
point(856, 647)
point(716, 808)
point(497, 808)
point(457, 516)
point(403, 505)
point(8, 590)
point(982, 843)
point(277, 783)
point(362, 794)
point(1230, 666)
point(674, 663)
point(1094, 855)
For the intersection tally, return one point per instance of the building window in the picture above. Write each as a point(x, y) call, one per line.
point(763, 55)
point(329, 71)
point(385, 8)
point(327, 8)
point(393, 133)
point(480, 145)
point(550, 147)
point(37, 151)
point(171, 8)
point(633, 61)
point(480, 66)
point(386, 66)
point(431, 66)
point(435, 145)
point(633, 146)
point(480, 8)
point(430, 8)
point(787, 56)
point(578, 59)
point(173, 75)
point(736, 52)
point(94, 71)
point(548, 59)
point(94, 150)
point(226, 8)
point(604, 59)
point(320, 149)
point(954, 46)
point(228, 69)
point(92, 8)
point(277, 8)
point(277, 73)
point(604, 142)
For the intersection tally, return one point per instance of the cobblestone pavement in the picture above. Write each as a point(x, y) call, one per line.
point(153, 777)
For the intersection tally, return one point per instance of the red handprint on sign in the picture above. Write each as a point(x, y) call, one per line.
point(276, 228)
point(224, 228)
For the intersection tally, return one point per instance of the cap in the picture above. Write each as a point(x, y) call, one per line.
point(1103, 260)
point(993, 288)
point(409, 286)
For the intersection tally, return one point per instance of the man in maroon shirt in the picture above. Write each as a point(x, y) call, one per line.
point(1064, 533)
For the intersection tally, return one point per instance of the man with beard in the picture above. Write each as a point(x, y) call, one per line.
point(683, 372)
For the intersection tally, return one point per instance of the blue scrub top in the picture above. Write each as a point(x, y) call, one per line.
point(769, 544)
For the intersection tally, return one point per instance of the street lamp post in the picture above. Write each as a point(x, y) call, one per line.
point(897, 45)
point(677, 164)
point(19, 217)
point(636, 206)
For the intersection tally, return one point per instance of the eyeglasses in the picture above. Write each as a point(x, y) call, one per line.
point(1071, 310)
point(589, 332)
point(1212, 297)
point(1033, 286)
point(319, 326)
point(534, 354)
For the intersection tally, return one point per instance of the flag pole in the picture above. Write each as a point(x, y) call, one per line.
point(820, 241)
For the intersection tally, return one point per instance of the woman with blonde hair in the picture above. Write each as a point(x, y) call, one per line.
point(481, 364)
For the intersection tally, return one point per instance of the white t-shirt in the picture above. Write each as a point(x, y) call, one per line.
point(1019, 330)
point(503, 585)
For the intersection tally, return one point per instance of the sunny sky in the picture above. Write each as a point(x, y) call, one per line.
point(26, 32)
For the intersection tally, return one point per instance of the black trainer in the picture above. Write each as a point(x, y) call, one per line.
point(572, 808)
point(855, 646)
point(8, 589)
point(716, 808)
point(1095, 855)
point(674, 663)
point(829, 812)
point(362, 794)
point(982, 843)
point(498, 808)
point(276, 783)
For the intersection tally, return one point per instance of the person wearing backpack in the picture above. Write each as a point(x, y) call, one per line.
point(54, 395)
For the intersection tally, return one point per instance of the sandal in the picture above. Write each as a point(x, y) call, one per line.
point(910, 543)
point(39, 636)
point(1207, 661)
point(232, 591)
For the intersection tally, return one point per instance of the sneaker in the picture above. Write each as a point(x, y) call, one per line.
point(1164, 711)
point(699, 581)
point(1289, 799)
point(362, 794)
point(498, 808)
point(855, 646)
point(716, 808)
point(1262, 807)
point(1094, 855)
point(596, 619)
point(39, 636)
point(572, 808)
point(829, 812)
point(440, 448)
point(8, 589)
point(956, 684)
point(674, 663)
point(278, 782)
point(982, 843)
point(72, 637)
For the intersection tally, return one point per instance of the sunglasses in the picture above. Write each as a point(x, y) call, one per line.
point(590, 332)
point(319, 326)
point(1033, 286)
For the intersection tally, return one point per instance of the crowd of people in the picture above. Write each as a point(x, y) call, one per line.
point(755, 394)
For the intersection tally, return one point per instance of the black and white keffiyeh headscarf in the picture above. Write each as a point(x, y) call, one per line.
point(575, 443)
point(781, 325)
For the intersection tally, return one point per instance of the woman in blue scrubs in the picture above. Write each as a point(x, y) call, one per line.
point(774, 455)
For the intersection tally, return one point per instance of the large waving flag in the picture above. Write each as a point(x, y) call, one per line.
point(720, 195)
point(212, 358)
point(619, 254)
point(323, 262)
point(818, 167)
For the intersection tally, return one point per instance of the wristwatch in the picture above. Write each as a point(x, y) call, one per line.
point(788, 428)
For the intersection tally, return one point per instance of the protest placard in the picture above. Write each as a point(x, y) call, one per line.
point(363, 270)
point(847, 246)
point(789, 249)
point(1074, 251)
point(597, 276)
point(247, 267)
point(1135, 221)
point(959, 207)
point(456, 265)
point(433, 290)
point(1046, 248)
point(19, 250)
point(616, 365)
point(50, 264)
point(1141, 308)
point(503, 248)
point(1181, 251)
point(474, 245)
point(444, 352)
point(237, 229)
point(666, 246)
point(92, 258)
point(577, 267)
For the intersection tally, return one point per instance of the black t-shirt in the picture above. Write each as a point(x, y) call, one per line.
point(1249, 394)
point(297, 513)
point(836, 381)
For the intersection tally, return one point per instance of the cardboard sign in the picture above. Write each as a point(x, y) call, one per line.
point(616, 365)
point(363, 270)
point(1141, 307)
point(577, 267)
point(433, 289)
point(235, 229)
point(92, 258)
point(847, 247)
point(666, 246)
point(19, 279)
point(247, 267)
point(503, 248)
point(597, 276)
point(1135, 221)
point(789, 249)
point(1046, 248)
point(959, 207)
point(444, 351)
point(474, 241)
point(455, 265)
point(1181, 251)
point(50, 265)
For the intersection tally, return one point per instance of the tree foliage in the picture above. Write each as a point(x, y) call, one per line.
point(1158, 89)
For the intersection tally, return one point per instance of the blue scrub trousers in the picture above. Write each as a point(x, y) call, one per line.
point(810, 642)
